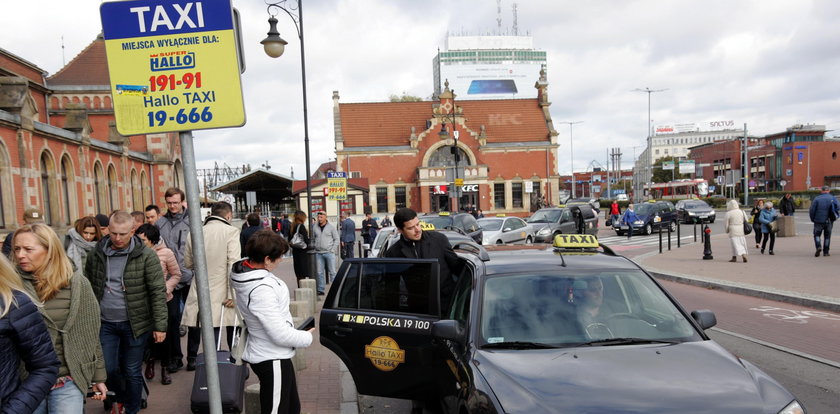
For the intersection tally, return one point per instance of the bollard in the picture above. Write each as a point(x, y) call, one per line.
point(660, 239)
point(679, 227)
point(669, 237)
point(299, 308)
point(299, 359)
point(306, 295)
point(707, 243)
point(695, 232)
point(308, 283)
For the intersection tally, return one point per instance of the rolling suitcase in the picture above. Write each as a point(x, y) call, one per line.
point(231, 381)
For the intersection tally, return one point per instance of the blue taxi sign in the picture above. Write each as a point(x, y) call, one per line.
point(575, 241)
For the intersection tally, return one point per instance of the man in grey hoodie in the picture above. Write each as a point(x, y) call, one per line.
point(325, 241)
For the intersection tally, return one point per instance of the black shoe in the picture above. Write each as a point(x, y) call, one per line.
point(175, 366)
point(190, 364)
point(826, 254)
point(165, 378)
point(817, 254)
point(762, 251)
point(771, 253)
point(320, 293)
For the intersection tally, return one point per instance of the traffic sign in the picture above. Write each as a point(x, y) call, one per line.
point(783, 183)
point(459, 181)
point(173, 65)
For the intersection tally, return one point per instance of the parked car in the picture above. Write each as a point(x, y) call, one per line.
point(506, 230)
point(695, 211)
point(592, 202)
point(455, 238)
point(551, 221)
point(461, 222)
point(621, 197)
point(652, 216)
point(381, 236)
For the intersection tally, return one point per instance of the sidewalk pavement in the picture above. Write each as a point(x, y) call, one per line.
point(792, 275)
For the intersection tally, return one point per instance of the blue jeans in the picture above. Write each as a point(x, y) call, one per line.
point(65, 400)
point(322, 259)
point(823, 229)
point(123, 362)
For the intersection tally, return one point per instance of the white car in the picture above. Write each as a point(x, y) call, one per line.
point(381, 236)
point(505, 230)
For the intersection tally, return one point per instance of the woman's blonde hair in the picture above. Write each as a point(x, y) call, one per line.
point(55, 273)
point(9, 282)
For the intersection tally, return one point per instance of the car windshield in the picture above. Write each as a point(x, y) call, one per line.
point(440, 222)
point(490, 224)
point(644, 209)
point(559, 309)
point(546, 216)
point(696, 204)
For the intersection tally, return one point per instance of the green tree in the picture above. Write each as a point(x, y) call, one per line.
point(404, 98)
point(663, 176)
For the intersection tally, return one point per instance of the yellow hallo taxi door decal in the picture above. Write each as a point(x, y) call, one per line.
point(384, 353)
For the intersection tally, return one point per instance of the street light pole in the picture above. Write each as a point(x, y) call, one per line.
point(571, 152)
point(274, 47)
point(649, 158)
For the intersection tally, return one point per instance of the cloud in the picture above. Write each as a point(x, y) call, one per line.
point(765, 63)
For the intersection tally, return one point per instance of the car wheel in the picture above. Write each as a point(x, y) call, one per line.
point(648, 229)
point(499, 243)
point(619, 232)
point(529, 240)
point(673, 226)
point(712, 220)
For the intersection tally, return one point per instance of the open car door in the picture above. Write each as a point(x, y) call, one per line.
point(377, 317)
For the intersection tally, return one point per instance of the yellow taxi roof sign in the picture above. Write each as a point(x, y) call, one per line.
point(575, 241)
point(443, 213)
point(500, 215)
point(426, 226)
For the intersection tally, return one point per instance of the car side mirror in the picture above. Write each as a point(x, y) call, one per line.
point(448, 329)
point(506, 229)
point(705, 318)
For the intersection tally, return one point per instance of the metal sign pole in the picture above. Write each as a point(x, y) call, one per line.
point(200, 282)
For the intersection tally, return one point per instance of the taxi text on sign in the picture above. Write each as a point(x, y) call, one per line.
point(173, 65)
point(337, 185)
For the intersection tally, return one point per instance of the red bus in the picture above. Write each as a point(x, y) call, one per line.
point(678, 189)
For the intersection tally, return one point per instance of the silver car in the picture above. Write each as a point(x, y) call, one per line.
point(506, 230)
point(381, 236)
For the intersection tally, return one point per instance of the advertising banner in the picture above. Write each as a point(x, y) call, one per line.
point(686, 166)
point(337, 185)
point(668, 165)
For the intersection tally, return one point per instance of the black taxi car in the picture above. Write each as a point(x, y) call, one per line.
point(567, 328)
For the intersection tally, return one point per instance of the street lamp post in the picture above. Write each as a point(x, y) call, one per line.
point(444, 134)
point(274, 47)
point(571, 152)
point(649, 158)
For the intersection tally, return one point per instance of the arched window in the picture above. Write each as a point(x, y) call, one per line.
point(4, 188)
point(46, 194)
point(136, 200)
point(66, 173)
point(443, 157)
point(179, 173)
point(144, 183)
point(98, 188)
point(113, 191)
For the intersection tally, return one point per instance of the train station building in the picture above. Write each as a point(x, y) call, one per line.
point(505, 150)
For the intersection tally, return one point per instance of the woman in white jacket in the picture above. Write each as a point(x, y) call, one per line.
point(735, 219)
point(263, 301)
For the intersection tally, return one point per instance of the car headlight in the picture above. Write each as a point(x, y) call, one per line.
point(793, 408)
point(638, 223)
point(712, 213)
point(543, 231)
point(691, 213)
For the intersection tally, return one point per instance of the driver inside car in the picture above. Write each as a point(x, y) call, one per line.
point(589, 298)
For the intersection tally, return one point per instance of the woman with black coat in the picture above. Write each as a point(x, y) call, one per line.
point(300, 257)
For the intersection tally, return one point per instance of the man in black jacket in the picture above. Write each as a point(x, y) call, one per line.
point(418, 244)
point(786, 206)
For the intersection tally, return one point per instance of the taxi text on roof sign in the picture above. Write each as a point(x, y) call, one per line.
point(173, 65)
point(426, 226)
point(575, 241)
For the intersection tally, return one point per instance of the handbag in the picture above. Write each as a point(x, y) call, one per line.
point(748, 228)
point(297, 240)
point(774, 226)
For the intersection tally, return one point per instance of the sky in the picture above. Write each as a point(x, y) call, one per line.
point(769, 64)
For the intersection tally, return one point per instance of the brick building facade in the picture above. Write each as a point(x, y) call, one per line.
point(60, 151)
point(507, 149)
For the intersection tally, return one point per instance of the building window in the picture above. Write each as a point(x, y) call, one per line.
point(97, 187)
point(348, 206)
point(46, 194)
point(317, 205)
point(113, 197)
point(135, 192)
point(499, 196)
point(399, 197)
point(65, 189)
point(381, 199)
point(656, 152)
point(516, 194)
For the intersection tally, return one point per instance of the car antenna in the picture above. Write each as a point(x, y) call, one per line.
point(562, 260)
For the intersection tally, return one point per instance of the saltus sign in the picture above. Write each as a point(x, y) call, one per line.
point(173, 65)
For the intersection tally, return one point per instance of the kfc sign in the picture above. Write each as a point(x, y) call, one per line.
point(439, 189)
point(470, 188)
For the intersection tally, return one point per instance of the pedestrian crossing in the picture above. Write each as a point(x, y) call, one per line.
point(645, 241)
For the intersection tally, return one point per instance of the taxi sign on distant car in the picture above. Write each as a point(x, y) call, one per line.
point(575, 241)
point(426, 226)
point(443, 213)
